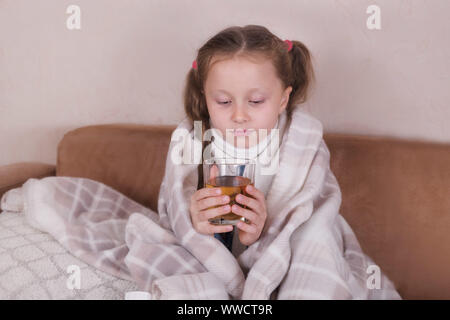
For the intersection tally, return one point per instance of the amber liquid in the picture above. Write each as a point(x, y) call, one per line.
point(231, 186)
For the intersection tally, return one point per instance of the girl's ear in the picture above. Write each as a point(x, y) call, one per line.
point(285, 99)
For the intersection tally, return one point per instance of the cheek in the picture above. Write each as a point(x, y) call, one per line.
point(214, 114)
point(217, 119)
point(265, 116)
point(217, 122)
point(210, 107)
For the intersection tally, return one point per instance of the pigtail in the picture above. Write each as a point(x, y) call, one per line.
point(302, 76)
point(196, 110)
point(194, 100)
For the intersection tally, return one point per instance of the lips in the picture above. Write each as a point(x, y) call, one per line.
point(242, 132)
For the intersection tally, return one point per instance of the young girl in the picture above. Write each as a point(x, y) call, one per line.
point(295, 245)
point(243, 79)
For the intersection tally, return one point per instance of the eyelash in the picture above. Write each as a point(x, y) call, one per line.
point(256, 102)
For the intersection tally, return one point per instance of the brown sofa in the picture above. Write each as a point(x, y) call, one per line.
point(396, 194)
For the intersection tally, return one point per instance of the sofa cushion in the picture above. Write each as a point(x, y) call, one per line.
point(127, 157)
point(396, 198)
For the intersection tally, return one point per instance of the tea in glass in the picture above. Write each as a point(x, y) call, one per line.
point(232, 177)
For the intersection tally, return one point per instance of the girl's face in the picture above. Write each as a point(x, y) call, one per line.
point(243, 93)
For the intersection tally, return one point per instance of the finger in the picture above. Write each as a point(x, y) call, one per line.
point(253, 204)
point(206, 192)
point(218, 228)
point(246, 227)
point(248, 214)
point(254, 192)
point(214, 212)
point(214, 171)
point(213, 201)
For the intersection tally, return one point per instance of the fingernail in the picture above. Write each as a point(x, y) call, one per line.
point(249, 188)
point(218, 191)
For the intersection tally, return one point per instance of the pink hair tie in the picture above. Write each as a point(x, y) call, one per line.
point(289, 44)
point(194, 64)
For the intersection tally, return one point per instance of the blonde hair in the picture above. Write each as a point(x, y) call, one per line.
point(294, 67)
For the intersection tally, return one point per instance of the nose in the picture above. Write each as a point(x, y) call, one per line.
point(240, 114)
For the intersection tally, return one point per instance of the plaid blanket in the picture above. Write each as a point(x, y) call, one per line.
point(306, 250)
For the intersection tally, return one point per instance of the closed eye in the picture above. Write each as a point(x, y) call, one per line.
point(228, 102)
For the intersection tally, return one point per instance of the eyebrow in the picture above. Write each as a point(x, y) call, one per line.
point(251, 90)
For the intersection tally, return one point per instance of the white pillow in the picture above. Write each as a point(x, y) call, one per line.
point(12, 200)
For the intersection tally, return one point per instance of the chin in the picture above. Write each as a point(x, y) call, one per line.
point(244, 142)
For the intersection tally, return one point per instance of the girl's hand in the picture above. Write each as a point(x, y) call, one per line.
point(256, 214)
point(203, 199)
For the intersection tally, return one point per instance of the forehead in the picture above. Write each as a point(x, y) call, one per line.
point(241, 73)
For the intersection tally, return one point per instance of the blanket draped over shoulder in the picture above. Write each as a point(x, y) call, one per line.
point(306, 250)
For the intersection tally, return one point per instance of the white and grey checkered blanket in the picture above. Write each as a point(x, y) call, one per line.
point(306, 250)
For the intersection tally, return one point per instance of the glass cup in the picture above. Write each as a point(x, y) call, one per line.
point(232, 176)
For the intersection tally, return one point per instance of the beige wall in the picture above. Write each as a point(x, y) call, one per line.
point(129, 60)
